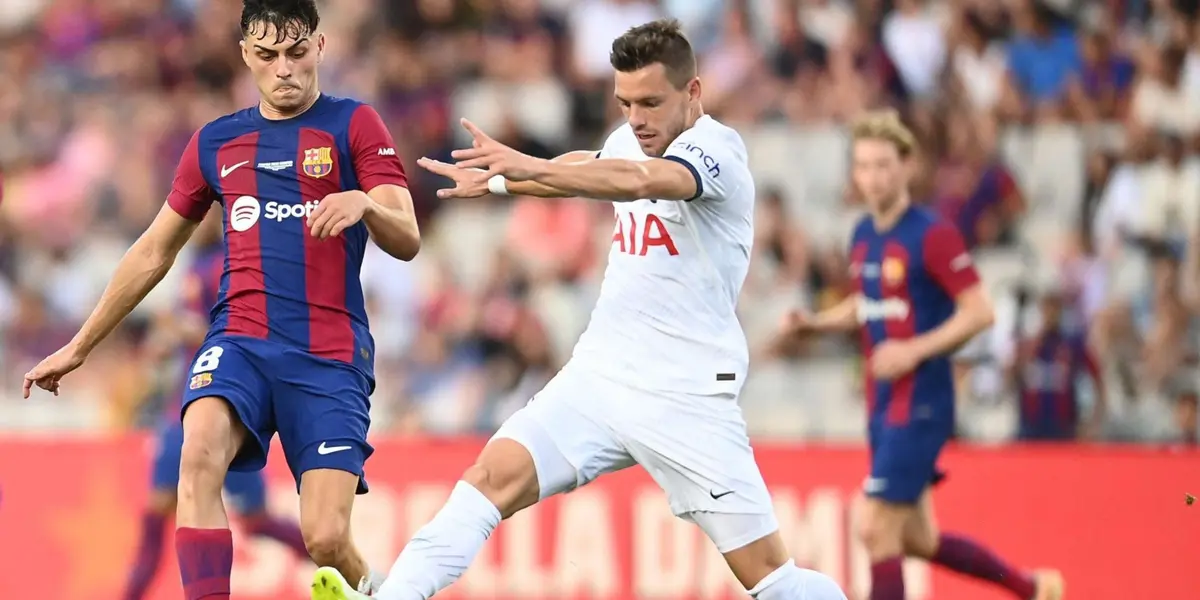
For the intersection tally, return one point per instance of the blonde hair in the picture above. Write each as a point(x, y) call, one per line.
point(885, 125)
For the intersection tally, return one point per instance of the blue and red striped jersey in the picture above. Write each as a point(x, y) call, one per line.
point(279, 282)
point(906, 280)
point(1050, 367)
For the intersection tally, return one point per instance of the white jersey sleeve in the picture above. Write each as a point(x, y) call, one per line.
point(716, 156)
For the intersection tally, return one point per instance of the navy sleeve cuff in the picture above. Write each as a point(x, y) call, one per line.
point(694, 172)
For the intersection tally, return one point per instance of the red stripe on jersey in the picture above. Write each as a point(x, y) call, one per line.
point(246, 296)
point(894, 274)
point(329, 331)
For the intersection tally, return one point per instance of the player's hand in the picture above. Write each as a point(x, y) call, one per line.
point(337, 212)
point(798, 322)
point(494, 158)
point(47, 373)
point(467, 182)
point(893, 359)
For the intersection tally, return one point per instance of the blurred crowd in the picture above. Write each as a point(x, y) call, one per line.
point(1059, 135)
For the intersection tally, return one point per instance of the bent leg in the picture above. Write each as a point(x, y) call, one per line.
point(961, 554)
point(547, 448)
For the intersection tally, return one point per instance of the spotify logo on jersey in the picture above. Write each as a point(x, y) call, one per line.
point(244, 213)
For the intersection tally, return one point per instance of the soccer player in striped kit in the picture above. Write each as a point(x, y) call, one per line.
point(304, 180)
point(917, 299)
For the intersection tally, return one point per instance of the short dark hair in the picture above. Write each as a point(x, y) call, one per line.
point(660, 41)
point(291, 18)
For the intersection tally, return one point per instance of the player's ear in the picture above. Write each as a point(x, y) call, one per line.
point(693, 88)
point(320, 48)
point(245, 51)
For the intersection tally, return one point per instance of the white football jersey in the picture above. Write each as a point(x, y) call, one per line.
point(666, 316)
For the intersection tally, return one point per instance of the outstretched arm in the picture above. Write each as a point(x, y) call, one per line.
point(142, 267)
point(668, 178)
point(620, 180)
point(473, 183)
point(541, 190)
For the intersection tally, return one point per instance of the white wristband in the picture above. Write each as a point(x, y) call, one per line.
point(497, 185)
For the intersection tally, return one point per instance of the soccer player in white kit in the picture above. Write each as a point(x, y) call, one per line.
point(655, 378)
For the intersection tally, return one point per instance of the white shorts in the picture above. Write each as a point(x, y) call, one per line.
point(582, 425)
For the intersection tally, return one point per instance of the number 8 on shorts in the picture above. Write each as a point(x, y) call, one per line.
point(208, 360)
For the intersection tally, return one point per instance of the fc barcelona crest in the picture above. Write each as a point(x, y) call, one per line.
point(318, 162)
point(893, 270)
point(199, 381)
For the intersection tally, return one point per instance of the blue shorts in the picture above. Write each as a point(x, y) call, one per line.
point(247, 491)
point(904, 459)
point(319, 407)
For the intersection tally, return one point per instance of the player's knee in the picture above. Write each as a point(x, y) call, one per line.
point(505, 475)
point(212, 435)
point(920, 541)
point(754, 562)
point(202, 463)
point(880, 528)
point(327, 540)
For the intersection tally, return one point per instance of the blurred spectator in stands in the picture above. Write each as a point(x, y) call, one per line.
point(780, 260)
point(1170, 202)
point(1044, 63)
point(915, 40)
point(1187, 407)
point(973, 188)
point(1170, 215)
point(1099, 169)
point(828, 21)
point(1161, 103)
point(733, 71)
point(977, 62)
point(1047, 369)
point(1169, 328)
point(1107, 76)
point(1118, 220)
point(797, 51)
point(594, 24)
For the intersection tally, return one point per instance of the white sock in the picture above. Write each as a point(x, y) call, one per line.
point(790, 582)
point(440, 552)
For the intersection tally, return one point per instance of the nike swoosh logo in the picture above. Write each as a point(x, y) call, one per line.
point(716, 496)
point(323, 449)
point(225, 171)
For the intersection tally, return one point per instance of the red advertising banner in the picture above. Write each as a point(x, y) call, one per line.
point(1113, 519)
